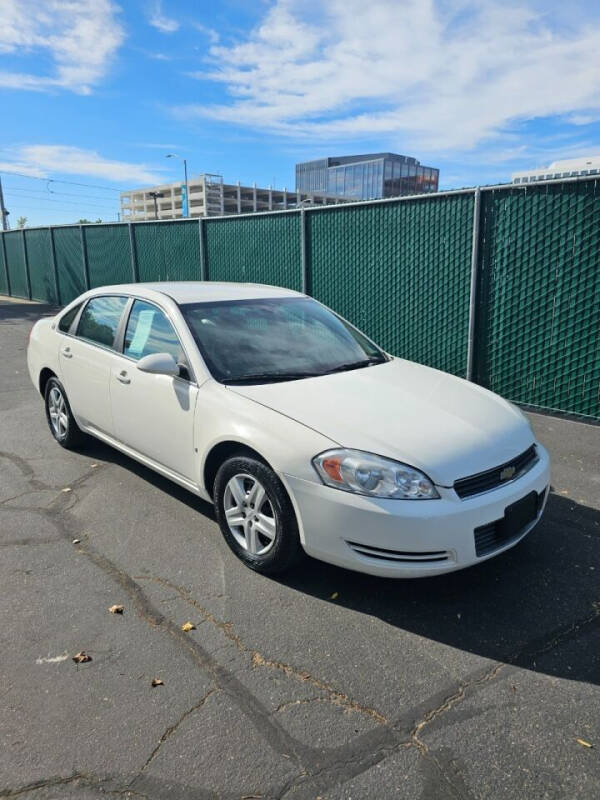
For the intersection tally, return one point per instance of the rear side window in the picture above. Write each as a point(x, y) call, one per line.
point(66, 320)
point(100, 320)
point(149, 331)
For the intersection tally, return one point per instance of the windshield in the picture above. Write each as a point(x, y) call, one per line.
point(284, 338)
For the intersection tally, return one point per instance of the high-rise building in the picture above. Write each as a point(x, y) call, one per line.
point(366, 177)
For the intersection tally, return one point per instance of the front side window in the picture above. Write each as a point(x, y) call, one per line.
point(66, 320)
point(276, 339)
point(100, 320)
point(148, 332)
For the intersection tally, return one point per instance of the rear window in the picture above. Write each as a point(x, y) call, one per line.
point(100, 320)
point(66, 320)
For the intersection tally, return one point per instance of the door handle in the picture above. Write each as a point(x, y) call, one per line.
point(66, 351)
point(122, 376)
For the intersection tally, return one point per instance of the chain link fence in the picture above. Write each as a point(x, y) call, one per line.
point(501, 284)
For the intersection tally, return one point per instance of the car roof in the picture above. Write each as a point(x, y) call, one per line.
point(200, 291)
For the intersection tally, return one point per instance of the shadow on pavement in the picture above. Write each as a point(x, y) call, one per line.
point(24, 312)
point(536, 606)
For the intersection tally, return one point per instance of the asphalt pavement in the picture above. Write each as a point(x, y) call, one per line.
point(323, 684)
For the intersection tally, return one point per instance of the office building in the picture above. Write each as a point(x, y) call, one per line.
point(210, 197)
point(570, 168)
point(366, 177)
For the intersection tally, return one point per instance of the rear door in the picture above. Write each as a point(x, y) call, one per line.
point(154, 414)
point(86, 357)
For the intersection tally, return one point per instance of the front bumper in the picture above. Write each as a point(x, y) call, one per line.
point(407, 538)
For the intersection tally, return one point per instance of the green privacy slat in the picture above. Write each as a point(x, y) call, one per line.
point(400, 272)
point(16, 263)
point(69, 263)
point(257, 249)
point(3, 281)
point(109, 259)
point(41, 273)
point(168, 251)
point(541, 261)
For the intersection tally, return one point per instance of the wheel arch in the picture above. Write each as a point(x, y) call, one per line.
point(45, 376)
point(219, 453)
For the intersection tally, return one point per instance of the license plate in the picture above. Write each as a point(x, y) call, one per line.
point(519, 515)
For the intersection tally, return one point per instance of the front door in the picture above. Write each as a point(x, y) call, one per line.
point(154, 414)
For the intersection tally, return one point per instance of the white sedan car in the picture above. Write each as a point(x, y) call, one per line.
point(305, 435)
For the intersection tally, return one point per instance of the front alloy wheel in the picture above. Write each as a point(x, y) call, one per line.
point(256, 516)
point(249, 514)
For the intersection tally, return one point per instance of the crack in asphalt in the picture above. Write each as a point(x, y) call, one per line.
point(49, 783)
point(320, 769)
point(172, 729)
point(258, 660)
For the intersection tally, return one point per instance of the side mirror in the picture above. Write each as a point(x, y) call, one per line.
point(159, 364)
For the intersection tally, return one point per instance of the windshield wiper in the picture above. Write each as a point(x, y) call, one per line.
point(271, 377)
point(366, 362)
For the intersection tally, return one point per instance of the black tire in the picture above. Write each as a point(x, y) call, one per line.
point(285, 551)
point(68, 436)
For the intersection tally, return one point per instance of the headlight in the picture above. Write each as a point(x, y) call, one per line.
point(365, 473)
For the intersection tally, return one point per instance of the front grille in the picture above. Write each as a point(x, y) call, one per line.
point(497, 534)
point(398, 555)
point(491, 478)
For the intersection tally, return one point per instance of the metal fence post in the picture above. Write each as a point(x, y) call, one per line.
point(305, 277)
point(86, 272)
point(474, 285)
point(26, 262)
point(54, 267)
point(5, 259)
point(203, 253)
point(133, 255)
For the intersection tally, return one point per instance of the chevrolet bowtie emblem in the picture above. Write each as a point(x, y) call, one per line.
point(507, 473)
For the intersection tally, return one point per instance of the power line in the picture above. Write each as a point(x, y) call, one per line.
point(70, 203)
point(58, 180)
point(46, 192)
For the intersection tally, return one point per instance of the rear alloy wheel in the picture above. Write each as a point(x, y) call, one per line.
point(256, 516)
point(58, 413)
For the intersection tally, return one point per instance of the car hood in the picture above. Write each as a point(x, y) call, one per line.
point(441, 424)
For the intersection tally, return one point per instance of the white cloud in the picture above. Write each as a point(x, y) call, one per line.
point(211, 33)
point(45, 160)
point(79, 38)
point(435, 74)
point(159, 21)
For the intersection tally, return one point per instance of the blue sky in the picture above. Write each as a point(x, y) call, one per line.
point(94, 92)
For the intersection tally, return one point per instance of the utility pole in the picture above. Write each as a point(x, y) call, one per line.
point(3, 211)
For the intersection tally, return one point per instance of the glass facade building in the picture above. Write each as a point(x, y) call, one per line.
point(366, 177)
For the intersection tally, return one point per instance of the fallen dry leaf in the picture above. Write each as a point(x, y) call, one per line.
point(334, 596)
point(67, 489)
point(76, 541)
point(188, 626)
point(116, 609)
point(157, 682)
point(583, 743)
point(93, 465)
point(81, 658)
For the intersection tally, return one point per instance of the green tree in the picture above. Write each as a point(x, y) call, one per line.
point(21, 222)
